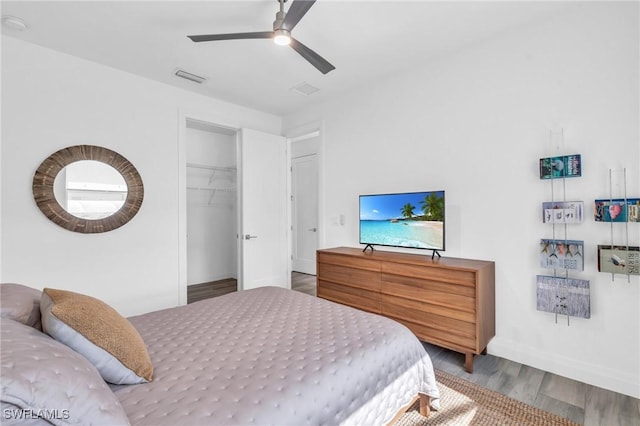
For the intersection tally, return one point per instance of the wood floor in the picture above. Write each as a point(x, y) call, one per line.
point(210, 289)
point(303, 283)
point(195, 292)
point(579, 402)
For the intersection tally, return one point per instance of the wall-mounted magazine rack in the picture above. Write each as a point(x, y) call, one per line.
point(621, 258)
point(558, 293)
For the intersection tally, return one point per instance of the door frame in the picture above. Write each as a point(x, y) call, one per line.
point(219, 121)
point(183, 117)
point(301, 159)
point(293, 133)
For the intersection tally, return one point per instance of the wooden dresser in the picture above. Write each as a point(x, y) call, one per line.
point(448, 302)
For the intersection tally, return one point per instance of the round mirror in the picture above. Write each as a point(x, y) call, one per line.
point(88, 189)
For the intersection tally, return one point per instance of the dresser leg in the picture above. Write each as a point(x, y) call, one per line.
point(468, 363)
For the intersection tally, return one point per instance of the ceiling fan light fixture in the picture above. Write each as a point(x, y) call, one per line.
point(282, 37)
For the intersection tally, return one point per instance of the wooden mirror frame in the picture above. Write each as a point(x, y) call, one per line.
point(44, 196)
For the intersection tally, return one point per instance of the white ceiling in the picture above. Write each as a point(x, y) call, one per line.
point(364, 40)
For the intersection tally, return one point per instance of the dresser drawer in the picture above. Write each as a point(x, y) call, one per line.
point(350, 276)
point(424, 306)
point(435, 297)
point(350, 296)
point(459, 276)
point(423, 283)
point(440, 337)
point(433, 321)
point(348, 261)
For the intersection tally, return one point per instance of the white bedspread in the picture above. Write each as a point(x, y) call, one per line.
point(272, 356)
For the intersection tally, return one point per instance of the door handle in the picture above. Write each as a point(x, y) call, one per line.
point(248, 237)
point(312, 229)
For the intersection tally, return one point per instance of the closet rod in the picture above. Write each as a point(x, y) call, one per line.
point(204, 166)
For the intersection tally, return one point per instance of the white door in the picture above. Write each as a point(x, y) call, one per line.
point(263, 219)
point(304, 188)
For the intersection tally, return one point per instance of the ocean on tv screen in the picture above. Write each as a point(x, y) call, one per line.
point(403, 233)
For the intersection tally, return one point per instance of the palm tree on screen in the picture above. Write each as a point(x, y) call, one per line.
point(433, 206)
point(407, 210)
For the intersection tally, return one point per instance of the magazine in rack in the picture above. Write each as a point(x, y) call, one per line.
point(561, 167)
point(562, 212)
point(562, 254)
point(565, 296)
point(617, 210)
point(619, 259)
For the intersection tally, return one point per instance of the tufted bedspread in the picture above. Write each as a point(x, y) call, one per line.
point(275, 356)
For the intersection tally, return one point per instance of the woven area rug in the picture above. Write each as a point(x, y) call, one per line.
point(465, 403)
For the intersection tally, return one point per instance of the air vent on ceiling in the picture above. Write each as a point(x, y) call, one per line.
point(189, 76)
point(14, 23)
point(305, 89)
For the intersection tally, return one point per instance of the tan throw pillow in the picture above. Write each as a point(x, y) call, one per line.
point(95, 330)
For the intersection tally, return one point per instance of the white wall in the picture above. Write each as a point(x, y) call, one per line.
point(475, 123)
point(52, 100)
point(212, 243)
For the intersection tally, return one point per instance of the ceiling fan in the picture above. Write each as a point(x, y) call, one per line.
point(281, 34)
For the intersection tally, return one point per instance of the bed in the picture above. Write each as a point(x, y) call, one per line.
point(255, 357)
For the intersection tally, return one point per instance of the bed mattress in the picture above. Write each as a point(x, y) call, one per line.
point(272, 356)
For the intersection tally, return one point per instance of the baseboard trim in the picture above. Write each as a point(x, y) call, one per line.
point(596, 375)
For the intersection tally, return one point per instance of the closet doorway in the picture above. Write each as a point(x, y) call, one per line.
point(212, 212)
point(245, 183)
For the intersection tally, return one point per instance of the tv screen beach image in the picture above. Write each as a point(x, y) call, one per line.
point(414, 220)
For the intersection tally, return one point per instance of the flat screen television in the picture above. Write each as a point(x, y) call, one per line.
point(410, 219)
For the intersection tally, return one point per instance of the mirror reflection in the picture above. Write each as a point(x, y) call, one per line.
point(90, 189)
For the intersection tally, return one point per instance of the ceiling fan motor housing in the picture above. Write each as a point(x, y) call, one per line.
point(278, 22)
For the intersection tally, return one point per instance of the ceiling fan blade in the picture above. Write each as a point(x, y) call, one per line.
point(295, 13)
point(312, 57)
point(233, 36)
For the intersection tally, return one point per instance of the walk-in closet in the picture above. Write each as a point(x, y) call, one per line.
point(212, 247)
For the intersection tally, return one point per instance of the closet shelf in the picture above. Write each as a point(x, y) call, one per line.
point(211, 188)
point(229, 169)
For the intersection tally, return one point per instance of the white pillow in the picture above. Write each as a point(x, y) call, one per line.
point(44, 379)
point(20, 303)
